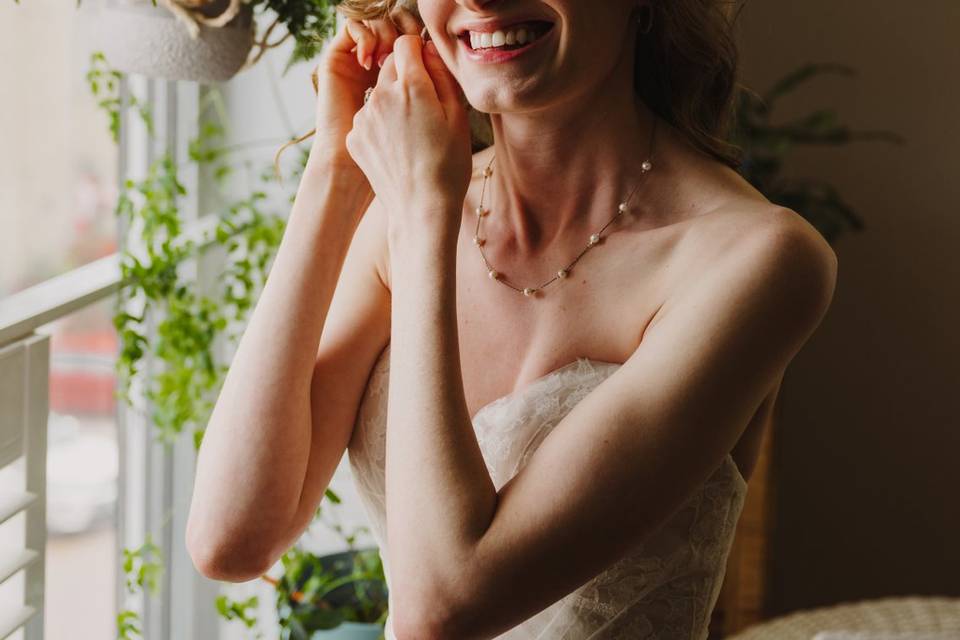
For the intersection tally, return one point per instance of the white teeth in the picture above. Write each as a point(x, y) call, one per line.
point(485, 40)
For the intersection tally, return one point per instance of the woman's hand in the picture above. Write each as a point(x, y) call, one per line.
point(412, 138)
point(347, 66)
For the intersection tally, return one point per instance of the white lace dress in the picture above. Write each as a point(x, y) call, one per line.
point(664, 589)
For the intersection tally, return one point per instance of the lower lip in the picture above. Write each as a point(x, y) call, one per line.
point(501, 55)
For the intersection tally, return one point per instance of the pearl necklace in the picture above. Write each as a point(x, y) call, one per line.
point(482, 212)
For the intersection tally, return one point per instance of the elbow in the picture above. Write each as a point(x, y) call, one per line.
point(410, 627)
point(427, 622)
point(227, 561)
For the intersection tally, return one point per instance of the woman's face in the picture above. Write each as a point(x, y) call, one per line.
point(523, 55)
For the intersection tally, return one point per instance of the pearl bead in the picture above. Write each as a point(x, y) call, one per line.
point(594, 239)
point(477, 240)
point(493, 274)
point(487, 172)
point(562, 273)
point(528, 292)
point(623, 207)
point(646, 166)
point(482, 212)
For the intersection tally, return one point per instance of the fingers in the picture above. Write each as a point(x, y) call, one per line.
point(388, 70)
point(366, 42)
point(385, 33)
point(448, 89)
point(343, 41)
point(408, 57)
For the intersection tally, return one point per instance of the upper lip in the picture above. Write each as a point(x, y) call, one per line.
point(495, 24)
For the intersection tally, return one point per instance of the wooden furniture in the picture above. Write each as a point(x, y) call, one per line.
point(742, 598)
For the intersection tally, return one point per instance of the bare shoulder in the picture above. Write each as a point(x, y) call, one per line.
point(767, 249)
point(748, 230)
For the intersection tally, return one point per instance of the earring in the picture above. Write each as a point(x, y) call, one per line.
point(646, 24)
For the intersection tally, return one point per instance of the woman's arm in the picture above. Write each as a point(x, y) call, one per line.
point(287, 406)
point(256, 449)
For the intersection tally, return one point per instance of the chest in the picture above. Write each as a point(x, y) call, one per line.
point(599, 311)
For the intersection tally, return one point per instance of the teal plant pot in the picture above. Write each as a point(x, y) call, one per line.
point(351, 631)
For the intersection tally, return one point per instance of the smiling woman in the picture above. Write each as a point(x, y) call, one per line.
point(562, 464)
point(685, 67)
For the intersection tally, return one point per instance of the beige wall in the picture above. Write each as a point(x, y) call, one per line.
point(57, 160)
point(868, 449)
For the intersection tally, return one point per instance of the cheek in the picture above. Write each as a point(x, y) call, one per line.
point(435, 15)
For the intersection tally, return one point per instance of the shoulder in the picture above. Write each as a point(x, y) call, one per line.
point(748, 233)
point(762, 257)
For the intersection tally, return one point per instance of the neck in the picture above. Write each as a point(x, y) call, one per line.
point(565, 168)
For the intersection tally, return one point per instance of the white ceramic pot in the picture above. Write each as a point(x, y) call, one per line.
point(138, 37)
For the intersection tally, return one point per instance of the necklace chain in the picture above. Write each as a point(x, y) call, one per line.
point(595, 238)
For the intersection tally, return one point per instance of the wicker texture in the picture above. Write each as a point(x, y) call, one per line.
point(907, 615)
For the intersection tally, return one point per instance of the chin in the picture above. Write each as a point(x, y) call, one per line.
point(510, 95)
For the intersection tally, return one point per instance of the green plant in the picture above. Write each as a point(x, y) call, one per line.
point(308, 22)
point(766, 145)
point(186, 325)
point(142, 568)
point(321, 592)
point(317, 593)
point(161, 310)
point(239, 610)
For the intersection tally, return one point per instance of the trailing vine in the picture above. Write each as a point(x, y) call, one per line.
point(142, 568)
point(162, 312)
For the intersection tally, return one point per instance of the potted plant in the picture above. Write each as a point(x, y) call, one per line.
point(204, 40)
point(337, 596)
point(766, 146)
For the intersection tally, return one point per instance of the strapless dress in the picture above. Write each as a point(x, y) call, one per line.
point(664, 589)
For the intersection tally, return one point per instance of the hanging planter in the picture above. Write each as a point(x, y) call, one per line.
point(199, 40)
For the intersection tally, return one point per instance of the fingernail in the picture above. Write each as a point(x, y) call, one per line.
point(431, 47)
point(367, 62)
point(383, 56)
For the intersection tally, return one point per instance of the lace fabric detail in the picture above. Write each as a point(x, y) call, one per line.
point(663, 589)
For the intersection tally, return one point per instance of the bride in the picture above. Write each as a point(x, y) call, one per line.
point(589, 320)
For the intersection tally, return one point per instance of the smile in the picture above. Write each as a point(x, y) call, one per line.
point(504, 43)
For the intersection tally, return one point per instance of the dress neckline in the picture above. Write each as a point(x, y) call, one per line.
point(533, 384)
point(538, 382)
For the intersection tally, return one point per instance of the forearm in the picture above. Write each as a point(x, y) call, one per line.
point(255, 451)
point(440, 498)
